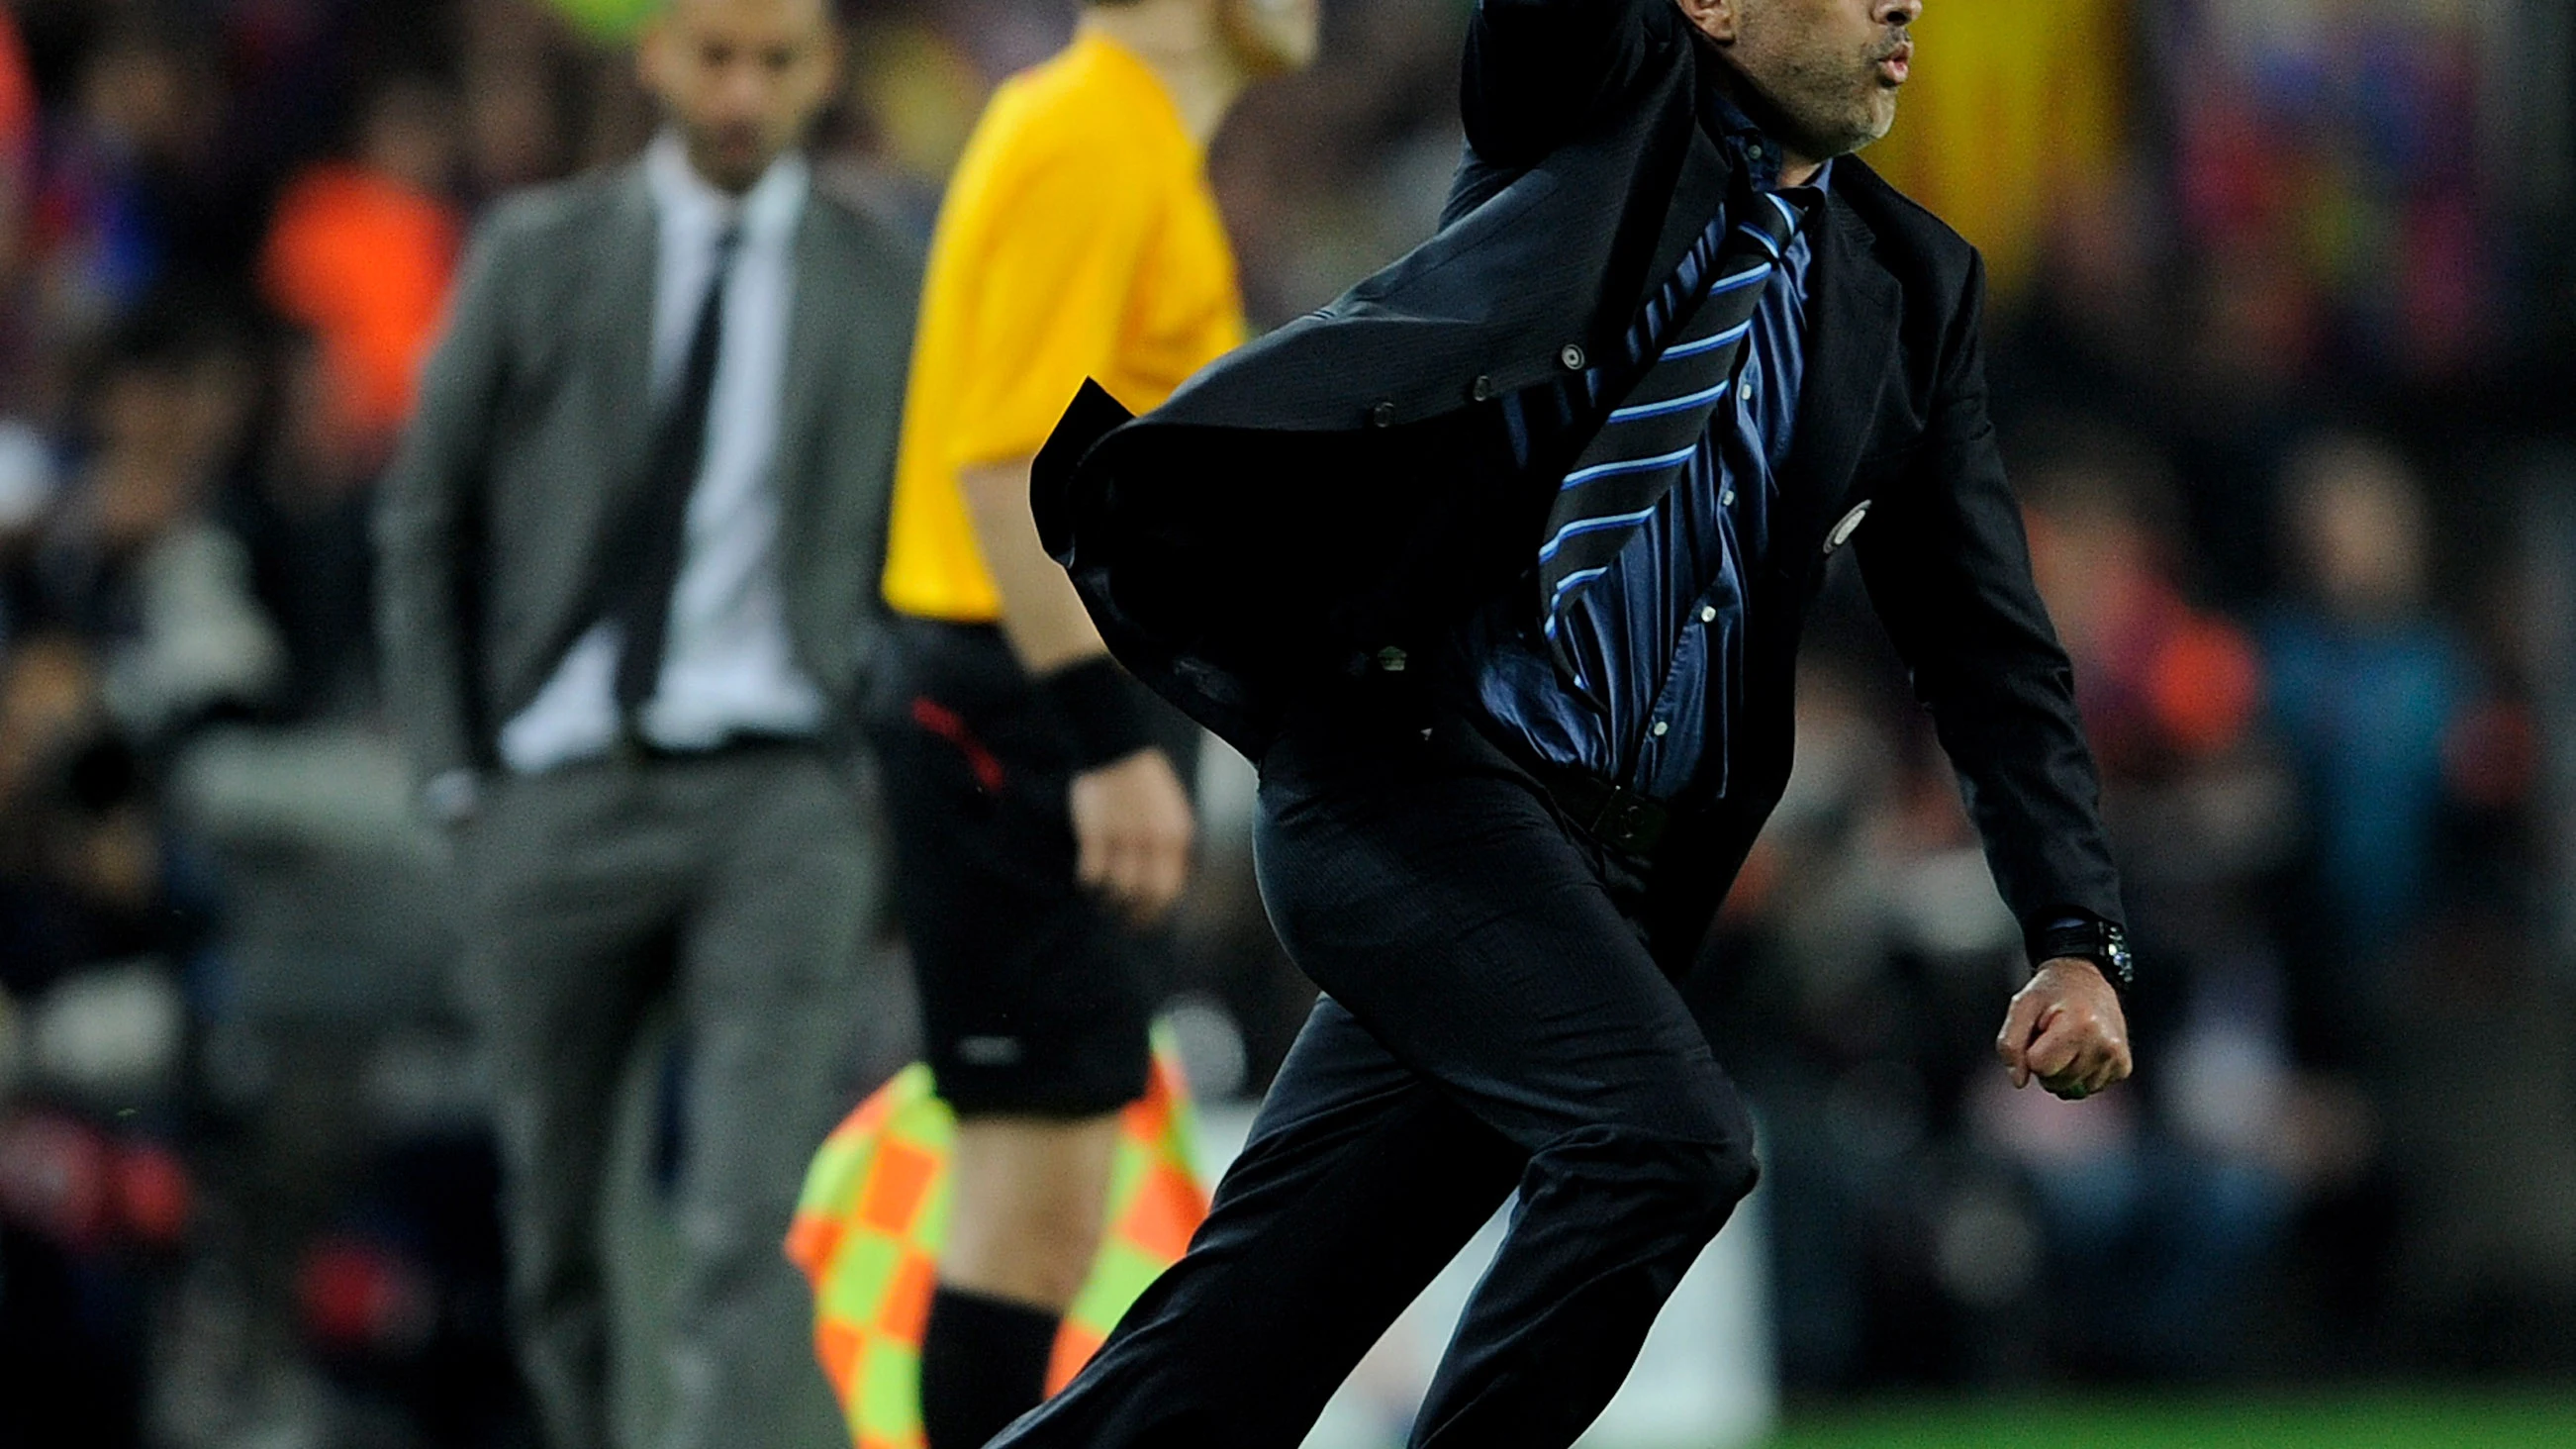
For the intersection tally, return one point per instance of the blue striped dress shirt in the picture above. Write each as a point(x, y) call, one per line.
point(1660, 638)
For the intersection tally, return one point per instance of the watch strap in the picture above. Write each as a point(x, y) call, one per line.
point(2104, 943)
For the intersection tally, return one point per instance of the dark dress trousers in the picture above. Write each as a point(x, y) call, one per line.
point(1283, 548)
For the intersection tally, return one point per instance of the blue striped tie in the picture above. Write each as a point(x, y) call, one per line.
point(1645, 445)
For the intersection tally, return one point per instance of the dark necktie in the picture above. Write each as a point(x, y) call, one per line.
point(657, 530)
point(1646, 444)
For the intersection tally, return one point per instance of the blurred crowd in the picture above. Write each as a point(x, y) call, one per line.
point(2281, 312)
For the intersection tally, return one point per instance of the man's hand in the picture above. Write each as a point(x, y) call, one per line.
point(2066, 1028)
point(1130, 818)
point(1132, 822)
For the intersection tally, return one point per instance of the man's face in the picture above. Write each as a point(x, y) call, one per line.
point(1830, 68)
point(1273, 37)
point(741, 79)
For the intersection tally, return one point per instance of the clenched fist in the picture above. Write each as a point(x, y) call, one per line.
point(2066, 1029)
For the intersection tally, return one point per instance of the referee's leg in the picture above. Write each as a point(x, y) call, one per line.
point(1034, 1015)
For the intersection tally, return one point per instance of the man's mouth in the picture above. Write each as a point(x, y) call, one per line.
point(1897, 63)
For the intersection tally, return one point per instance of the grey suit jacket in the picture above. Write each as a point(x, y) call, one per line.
point(529, 442)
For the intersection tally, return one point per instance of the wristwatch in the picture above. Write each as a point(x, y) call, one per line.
point(2103, 943)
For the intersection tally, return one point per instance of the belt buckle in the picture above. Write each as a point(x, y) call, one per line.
point(1629, 821)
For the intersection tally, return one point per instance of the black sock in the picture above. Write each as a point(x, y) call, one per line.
point(983, 1364)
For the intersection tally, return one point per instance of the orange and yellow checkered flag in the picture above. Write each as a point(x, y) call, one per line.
point(875, 1211)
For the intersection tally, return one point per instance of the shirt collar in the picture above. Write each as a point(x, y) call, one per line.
point(767, 213)
point(1745, 142)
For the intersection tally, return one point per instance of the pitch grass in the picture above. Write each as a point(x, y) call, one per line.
point(2537, 1417)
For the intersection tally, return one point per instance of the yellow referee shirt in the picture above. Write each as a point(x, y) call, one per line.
point(1079, 239)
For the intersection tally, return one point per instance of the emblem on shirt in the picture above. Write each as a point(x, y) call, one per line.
point(1844, 530)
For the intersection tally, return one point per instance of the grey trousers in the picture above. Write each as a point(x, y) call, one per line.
point(738, 890)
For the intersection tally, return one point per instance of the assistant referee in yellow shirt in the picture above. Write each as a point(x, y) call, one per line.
point(1039, 819)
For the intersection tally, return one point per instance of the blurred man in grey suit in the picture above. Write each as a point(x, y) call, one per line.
point(629, 558)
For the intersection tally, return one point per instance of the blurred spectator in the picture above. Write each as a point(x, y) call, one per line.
point(304, 520)
point(2331, 161)
point(2367, 686)
point(2174, 1203)
point(94, 927)
point(20, 136)
point(18, 118)
point(28, 483)
point(138, 189)
point(80, 854)
point(135, 558)
point(363, 250)
point(2161, 683)
point(913, 96)
point(517, 107)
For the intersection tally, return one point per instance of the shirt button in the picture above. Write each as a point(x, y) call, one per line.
point(1727, 498)
point(1662, 729)
point(1383, 415)
point(1708, 613)
point(1571, 356)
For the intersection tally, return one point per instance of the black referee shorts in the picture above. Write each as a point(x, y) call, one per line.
point(1035, 996)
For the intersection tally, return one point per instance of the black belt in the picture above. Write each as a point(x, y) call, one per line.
point(1617, 817)
point(1612, 815)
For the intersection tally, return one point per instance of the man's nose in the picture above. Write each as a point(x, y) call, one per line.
point(1900, 12)
point(745, 89)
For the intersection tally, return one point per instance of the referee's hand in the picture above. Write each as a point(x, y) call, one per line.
point(1133, 828)
point(2066, 1029)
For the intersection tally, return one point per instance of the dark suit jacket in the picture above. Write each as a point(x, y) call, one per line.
point(528, 445)
point(1338, 488)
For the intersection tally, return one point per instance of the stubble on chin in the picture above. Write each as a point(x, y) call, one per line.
point(1872, 114)
point(1882, 119)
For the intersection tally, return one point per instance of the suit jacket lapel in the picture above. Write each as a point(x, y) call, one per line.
point(821, 315)
point(1851, 332)
point(1698, 191)
point(623, 303)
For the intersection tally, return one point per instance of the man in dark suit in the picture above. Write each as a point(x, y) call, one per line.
point(1497, 566)
point(629, 555)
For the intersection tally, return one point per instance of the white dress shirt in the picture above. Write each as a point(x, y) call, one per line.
point(728, 667)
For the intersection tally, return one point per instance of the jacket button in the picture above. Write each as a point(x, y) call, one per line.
point(1572, 357)
point(1383, 415)
point(1483, 389)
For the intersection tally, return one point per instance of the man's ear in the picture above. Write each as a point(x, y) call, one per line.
point(1715, 19)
